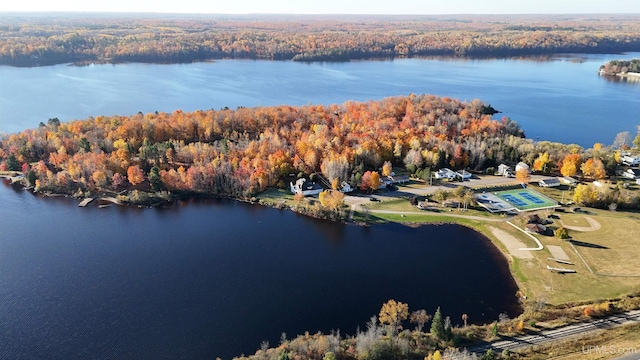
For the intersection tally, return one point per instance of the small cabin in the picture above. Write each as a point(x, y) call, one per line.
point(464, 175)
point(552, 182)
point(536, 228)
point(568, 180)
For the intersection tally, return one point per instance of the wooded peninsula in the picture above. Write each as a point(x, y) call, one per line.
point(239, 153)
point(27, 40)
point(621, 68)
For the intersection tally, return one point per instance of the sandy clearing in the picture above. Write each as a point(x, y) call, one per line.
point(595, 225)
point(557, 252)
point(512, 244)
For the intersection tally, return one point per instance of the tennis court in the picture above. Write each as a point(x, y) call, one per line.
point(515, 200)
point(526, 199)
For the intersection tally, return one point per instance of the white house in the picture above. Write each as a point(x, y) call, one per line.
point(397, 179)
point(632, 174)
point(631, 160)
point(345, 187)
point(502, 169)
point(464, 175)
point(505, 170)
point(568, 180)
point(552, 182)
point(305, 187)
point(521, 165)
point(445, 174)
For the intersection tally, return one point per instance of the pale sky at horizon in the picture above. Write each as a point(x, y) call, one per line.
point(426, 7)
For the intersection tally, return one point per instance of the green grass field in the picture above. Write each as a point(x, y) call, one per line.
point(525, 199)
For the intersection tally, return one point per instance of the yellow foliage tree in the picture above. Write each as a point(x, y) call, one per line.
point(331, 199)
point(393, 313)
point(570, 165)
point(523, 176)
point(99, 178)
point(335, 184)
point(585, 194)
point(135, 175)
point(593, 168)
point(374, 183)
point(541, 163)
point(437, 355)
point(387, 168)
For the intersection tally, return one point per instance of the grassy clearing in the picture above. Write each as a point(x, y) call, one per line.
point(273, 197)
point(395, 204)
point(614, 248)
point(599, 345)
point(579, 220)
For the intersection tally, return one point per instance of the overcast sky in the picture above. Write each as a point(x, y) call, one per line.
point(331, 6)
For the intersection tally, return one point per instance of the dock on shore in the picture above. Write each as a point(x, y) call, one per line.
point(85, 202)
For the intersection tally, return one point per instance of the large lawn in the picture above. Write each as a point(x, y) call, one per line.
point(614, 249)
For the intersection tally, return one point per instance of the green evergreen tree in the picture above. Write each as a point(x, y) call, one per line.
point(284, 355)
point(437, 325)
point(154, 179)
point(12, 163)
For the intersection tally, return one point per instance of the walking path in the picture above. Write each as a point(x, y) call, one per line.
point(540, 247)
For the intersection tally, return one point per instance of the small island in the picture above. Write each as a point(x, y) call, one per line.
point(628, 69)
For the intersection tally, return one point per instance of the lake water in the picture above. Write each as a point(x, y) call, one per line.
point(560, 100)
point(203, 279)
point(216, 278)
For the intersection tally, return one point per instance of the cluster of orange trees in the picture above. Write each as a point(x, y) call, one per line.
point(47, 40)
point(240, 152)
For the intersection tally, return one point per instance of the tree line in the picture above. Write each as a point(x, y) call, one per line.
point(45, 40)
point(615, 67)
point(241, 152)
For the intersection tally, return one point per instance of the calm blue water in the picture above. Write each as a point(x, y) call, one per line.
point(216, 278)
point(559, 100)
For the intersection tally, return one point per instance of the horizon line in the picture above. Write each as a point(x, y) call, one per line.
point(299, 14)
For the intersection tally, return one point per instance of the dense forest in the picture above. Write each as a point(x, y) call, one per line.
point(238, 153)
point(615, 67)
point(51, 39)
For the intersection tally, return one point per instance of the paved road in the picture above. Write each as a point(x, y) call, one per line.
point(543, 337)
point(635, 354)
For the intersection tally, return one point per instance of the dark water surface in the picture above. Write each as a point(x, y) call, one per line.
point(562, 99)
point(216, 278)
